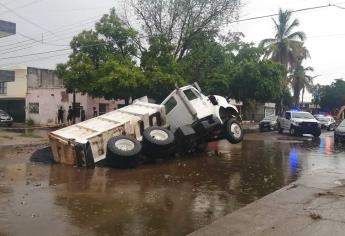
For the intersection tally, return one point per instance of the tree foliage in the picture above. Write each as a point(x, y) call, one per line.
point(287, 45)
point(109, 61)
point(259, 81)
point(181, 21)
point(330, 97)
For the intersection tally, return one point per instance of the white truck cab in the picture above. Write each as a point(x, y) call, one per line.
point(298, 123)
point(187, 105)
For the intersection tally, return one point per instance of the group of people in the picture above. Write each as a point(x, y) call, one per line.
point(71, 115)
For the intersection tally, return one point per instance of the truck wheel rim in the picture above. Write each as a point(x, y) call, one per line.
point(236, 130)
point(124, 145)
point(159, 135)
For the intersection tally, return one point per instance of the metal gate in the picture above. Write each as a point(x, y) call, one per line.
point(15, 108)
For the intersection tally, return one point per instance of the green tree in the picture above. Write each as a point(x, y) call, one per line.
point(103, 61)
point(332, 96)
point(287, 45)
point(183, 22)
point(300, 80)
point(258, 81)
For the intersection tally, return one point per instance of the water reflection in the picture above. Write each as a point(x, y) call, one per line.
point(170, 198)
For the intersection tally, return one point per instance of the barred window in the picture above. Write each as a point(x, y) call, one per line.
point(34, 108)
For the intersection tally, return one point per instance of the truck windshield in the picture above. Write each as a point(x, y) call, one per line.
point(302, 115)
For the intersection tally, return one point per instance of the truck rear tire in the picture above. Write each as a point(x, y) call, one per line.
point(123, 152)
point(233, 131)
point(158, 142)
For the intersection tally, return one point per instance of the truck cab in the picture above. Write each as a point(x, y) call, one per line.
point(187, 105)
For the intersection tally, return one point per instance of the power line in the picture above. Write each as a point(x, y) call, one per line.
point(52, 51)
point(36, 59)
point(25, 19)
point(35, 54)
point(298, 10)
point(63, 29)
point(22, 6)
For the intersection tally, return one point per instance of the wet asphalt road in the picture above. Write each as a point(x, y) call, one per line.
point(173, 197)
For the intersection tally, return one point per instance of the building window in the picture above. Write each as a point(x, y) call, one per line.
point(103, 108)
point(34, 108)
point(3, 88)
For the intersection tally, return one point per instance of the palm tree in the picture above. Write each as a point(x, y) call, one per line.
point(287, 45)
point(300, 81)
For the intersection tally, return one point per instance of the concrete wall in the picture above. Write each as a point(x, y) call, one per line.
point(50, 100)
point(259, 111)
point(43, 78)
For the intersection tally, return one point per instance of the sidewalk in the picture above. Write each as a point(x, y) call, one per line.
point(313, 205)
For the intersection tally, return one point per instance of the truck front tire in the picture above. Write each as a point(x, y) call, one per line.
point(123, 152)
point(233, 131)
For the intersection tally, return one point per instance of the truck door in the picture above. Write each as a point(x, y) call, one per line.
point(177, 113)
point(201, 105)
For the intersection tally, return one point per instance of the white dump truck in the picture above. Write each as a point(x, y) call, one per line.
point(184, 120)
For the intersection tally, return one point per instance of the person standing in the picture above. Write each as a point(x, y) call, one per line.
point(95, 113)
point(60, 116)
point(70, 115)
point(82, 114)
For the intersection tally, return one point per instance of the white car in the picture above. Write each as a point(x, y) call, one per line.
point(299, 123)
point(327, 122)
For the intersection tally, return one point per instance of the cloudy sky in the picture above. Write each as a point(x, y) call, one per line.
point(55, 22)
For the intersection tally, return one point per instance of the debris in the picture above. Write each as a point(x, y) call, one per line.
point(315, 216)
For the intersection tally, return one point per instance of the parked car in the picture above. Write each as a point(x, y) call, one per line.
point(339, 133)
point(299, 123)
point(327, 122)
point(269, 123)
point(5, 119)
point(185, 120)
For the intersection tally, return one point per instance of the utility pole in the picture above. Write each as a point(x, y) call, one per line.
point(74, 107)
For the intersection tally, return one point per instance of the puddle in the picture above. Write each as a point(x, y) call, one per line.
point(174, 197)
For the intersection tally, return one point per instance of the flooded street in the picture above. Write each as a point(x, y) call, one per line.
point(173, 197)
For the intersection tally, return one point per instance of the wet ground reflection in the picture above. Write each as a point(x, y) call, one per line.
point(169, 198)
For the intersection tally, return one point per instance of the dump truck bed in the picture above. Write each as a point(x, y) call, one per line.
point(84, 144)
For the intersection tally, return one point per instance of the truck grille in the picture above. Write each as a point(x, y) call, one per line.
point(309, 125)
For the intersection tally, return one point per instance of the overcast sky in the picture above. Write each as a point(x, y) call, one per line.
point(57, 21)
